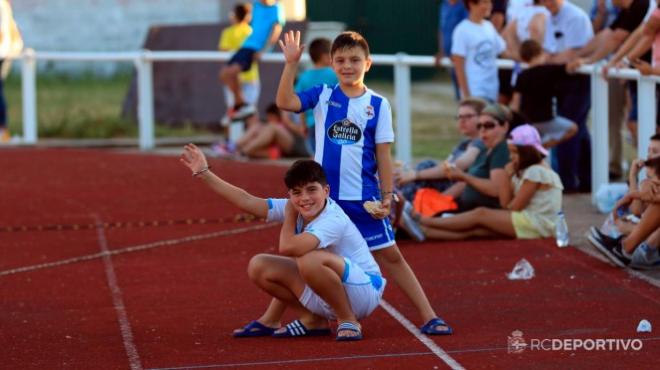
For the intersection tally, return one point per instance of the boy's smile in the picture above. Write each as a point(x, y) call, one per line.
point(309, 199)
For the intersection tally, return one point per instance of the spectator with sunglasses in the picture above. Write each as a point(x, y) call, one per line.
point(430, 174)
point(530, 200)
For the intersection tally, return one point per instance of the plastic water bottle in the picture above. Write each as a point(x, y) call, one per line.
point(561, 230)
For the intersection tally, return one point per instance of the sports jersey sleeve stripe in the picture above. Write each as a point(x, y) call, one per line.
point(310, 97)
point(276, 209)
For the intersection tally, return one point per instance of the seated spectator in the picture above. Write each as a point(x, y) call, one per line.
point(537, 104)
point(626, 219)
point(639, 249)
point(531, 202)
point(428, 174)
point(278, 136)
point(485, 182)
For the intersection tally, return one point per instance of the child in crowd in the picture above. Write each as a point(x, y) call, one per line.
point(534, 95)
point(278, 136)
point(638, 249)
point(533, 200)
point(320, 73)
point(231, 39)
point(324, 269)
point(475, 47)
point(354, 133)
point(267, 23)
point(624, 221)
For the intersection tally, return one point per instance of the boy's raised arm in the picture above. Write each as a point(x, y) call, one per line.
point(193, 158)
point(286, 98)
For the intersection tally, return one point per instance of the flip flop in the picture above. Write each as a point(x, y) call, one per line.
point(297, 329)
point(348, 326)
point(254, 329)
point(429, 327)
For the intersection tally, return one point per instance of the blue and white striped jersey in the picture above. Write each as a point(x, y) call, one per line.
point(347, 131)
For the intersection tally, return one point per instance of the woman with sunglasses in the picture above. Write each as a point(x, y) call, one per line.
point(431, 174)
point(531, 199)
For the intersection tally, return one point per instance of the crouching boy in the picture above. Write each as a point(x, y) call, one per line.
point(324, 269)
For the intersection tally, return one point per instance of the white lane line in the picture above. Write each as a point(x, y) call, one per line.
point(136, 248)
point(421, 337)
point(117, 300)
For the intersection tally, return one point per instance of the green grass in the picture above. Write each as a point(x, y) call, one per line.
point(79, 107)
point(90, 107)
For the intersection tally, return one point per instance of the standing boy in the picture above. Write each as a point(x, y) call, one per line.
point(231, 39)
point(354, 134)
point(321, 73)
point(267, 23)
point(324, 269)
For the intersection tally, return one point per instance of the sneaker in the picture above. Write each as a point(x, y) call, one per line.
point(242, 112)
point(410, 225)
point(611, 248)
point(645, 257)
point(222, 150)
point(596, 233)
point(226, 119)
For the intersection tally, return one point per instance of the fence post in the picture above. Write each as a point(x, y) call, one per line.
point(646, 113)
point(29, 93)
point(143, 65)
point(599, 126)
point(402, 96)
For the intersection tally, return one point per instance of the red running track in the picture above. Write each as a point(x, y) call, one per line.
point(173, 301)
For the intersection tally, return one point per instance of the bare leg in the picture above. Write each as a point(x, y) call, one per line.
point(268, 135)
point(393, 262)
point(497, 220)
point(249, 135)
point(322, 272)
point(649, 223)
point(229, 76)
point(279, 277)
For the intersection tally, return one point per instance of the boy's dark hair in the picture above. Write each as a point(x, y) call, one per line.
point(477, 104)
point(656, 137)
point(318, 48)
point(241, 10)
point(653, 163)
point(303, 172)
point(348, 40)
point(468, 2)
point(273, 109)
point(528, 156)
point(529, 50)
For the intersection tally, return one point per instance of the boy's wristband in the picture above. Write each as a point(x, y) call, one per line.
point(205, 169)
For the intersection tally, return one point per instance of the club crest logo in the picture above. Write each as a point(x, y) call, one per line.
point(516, 342)
point(344, 132)
point(369, 111)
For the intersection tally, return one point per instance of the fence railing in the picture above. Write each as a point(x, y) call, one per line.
point(143, 61)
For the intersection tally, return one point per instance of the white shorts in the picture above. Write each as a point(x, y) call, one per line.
point(364, 292)
point(250, 91)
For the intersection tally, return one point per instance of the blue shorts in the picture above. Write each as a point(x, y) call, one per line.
point(378, 233)
point(243, 57)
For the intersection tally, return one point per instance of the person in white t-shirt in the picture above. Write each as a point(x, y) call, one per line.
point(324, 269)
point(531, 21)
point(475, 47)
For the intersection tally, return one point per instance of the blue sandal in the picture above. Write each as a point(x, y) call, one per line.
point(297, 329)
point(349, 326)
point(430, 327)
point(254, 329)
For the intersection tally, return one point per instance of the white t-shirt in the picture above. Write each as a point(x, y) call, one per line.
point(335, 231)
point(524, 18)
point(479, 44)
point(347, 132)
point(514, 8)
point(572, 27)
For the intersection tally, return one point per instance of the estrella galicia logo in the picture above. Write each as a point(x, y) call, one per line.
point(344, 132)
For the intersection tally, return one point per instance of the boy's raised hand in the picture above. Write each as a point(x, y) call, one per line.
point(193, 158)
point(291, 47)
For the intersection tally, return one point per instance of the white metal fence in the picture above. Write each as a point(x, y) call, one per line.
point(143, 61)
